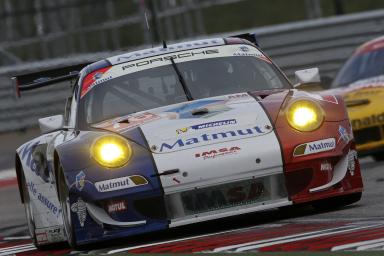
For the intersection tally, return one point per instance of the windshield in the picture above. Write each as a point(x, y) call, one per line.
point(158, 84)
point(359, 67)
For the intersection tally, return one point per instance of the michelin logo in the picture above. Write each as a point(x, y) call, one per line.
point(207, 125)
point(315, 147)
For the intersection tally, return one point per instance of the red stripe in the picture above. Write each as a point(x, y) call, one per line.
point(239, 237)
point(326, 243)
point(8, 183)
point(7, 244)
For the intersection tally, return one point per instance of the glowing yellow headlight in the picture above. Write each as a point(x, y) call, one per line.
point(111, 151)
point(305, 115)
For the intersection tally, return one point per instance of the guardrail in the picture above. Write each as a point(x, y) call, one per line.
point(325, 43)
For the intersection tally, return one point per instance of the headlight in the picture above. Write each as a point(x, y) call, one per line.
point(305, 115)
point(111, 151)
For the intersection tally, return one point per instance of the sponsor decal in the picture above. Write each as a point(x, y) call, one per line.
point(31, 186)
point(52, 234)
point(352, 157)
point(251, 52)
point(207, 125)
point(94, 78)
point(217, 153)
point(117, 206)
point(160, 50)
point(80, 180)
point(315, 147)
point(42, 237)
point(239, 193)
point(326, 166)
point(42, 199)
point(244, 48)
point(47, 203)
point(97, 75)
point(80, 209)
point(368, 121)
point(120, 183)
point(167, 58)
point(238, 96)
point(126, 123)
point(344, 135)
point(216, 198)
point(34, 157)
point(181, 143)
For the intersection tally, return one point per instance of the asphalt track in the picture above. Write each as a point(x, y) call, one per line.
point(359, 227)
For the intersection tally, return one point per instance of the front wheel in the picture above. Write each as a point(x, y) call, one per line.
point(30, 215)
point(28, 210)
point(66, 209)
point(336, 202)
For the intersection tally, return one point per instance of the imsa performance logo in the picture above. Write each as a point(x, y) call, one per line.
point(217, 152)
point(315, 147)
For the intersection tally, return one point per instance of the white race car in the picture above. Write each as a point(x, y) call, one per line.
point(180, 134)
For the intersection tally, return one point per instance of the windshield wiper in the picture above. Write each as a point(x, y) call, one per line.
point(182, 81)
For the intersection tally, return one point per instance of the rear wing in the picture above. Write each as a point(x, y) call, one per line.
point(248, 36)
point(40, 79)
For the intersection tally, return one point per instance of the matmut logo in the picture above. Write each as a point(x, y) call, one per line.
point(225, 135)
point(217, 152)
point(120, 183)
point(315, 147)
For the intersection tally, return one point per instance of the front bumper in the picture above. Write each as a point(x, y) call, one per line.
point(300, 183)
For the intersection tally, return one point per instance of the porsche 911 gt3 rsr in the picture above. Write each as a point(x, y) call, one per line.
point(361, 82)
point(181, 134)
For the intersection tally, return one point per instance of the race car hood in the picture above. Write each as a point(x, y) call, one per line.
point(364, 89)
point(364, 101)
point(200, 122)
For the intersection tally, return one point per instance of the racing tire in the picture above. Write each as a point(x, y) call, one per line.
point(336, 202)
point(29, 214)
point(66, 209)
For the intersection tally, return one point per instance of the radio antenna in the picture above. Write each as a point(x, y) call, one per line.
point(148, 27)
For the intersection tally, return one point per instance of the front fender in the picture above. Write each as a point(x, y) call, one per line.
point(83, 173)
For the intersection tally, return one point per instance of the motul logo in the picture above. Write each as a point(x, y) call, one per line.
point(117, 206)
point(217, 152)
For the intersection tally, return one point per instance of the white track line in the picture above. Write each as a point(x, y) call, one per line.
point(189, 238)
point(231, 247)
point(370, 246)
point(253, 247)
point(179, 240)
point(16, 249)
point(13, 238)
point(357, 244)
point(7, 174)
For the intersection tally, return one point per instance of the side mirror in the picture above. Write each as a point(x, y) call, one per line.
point(308, 79)
point(307, 76)
point(51, 123)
